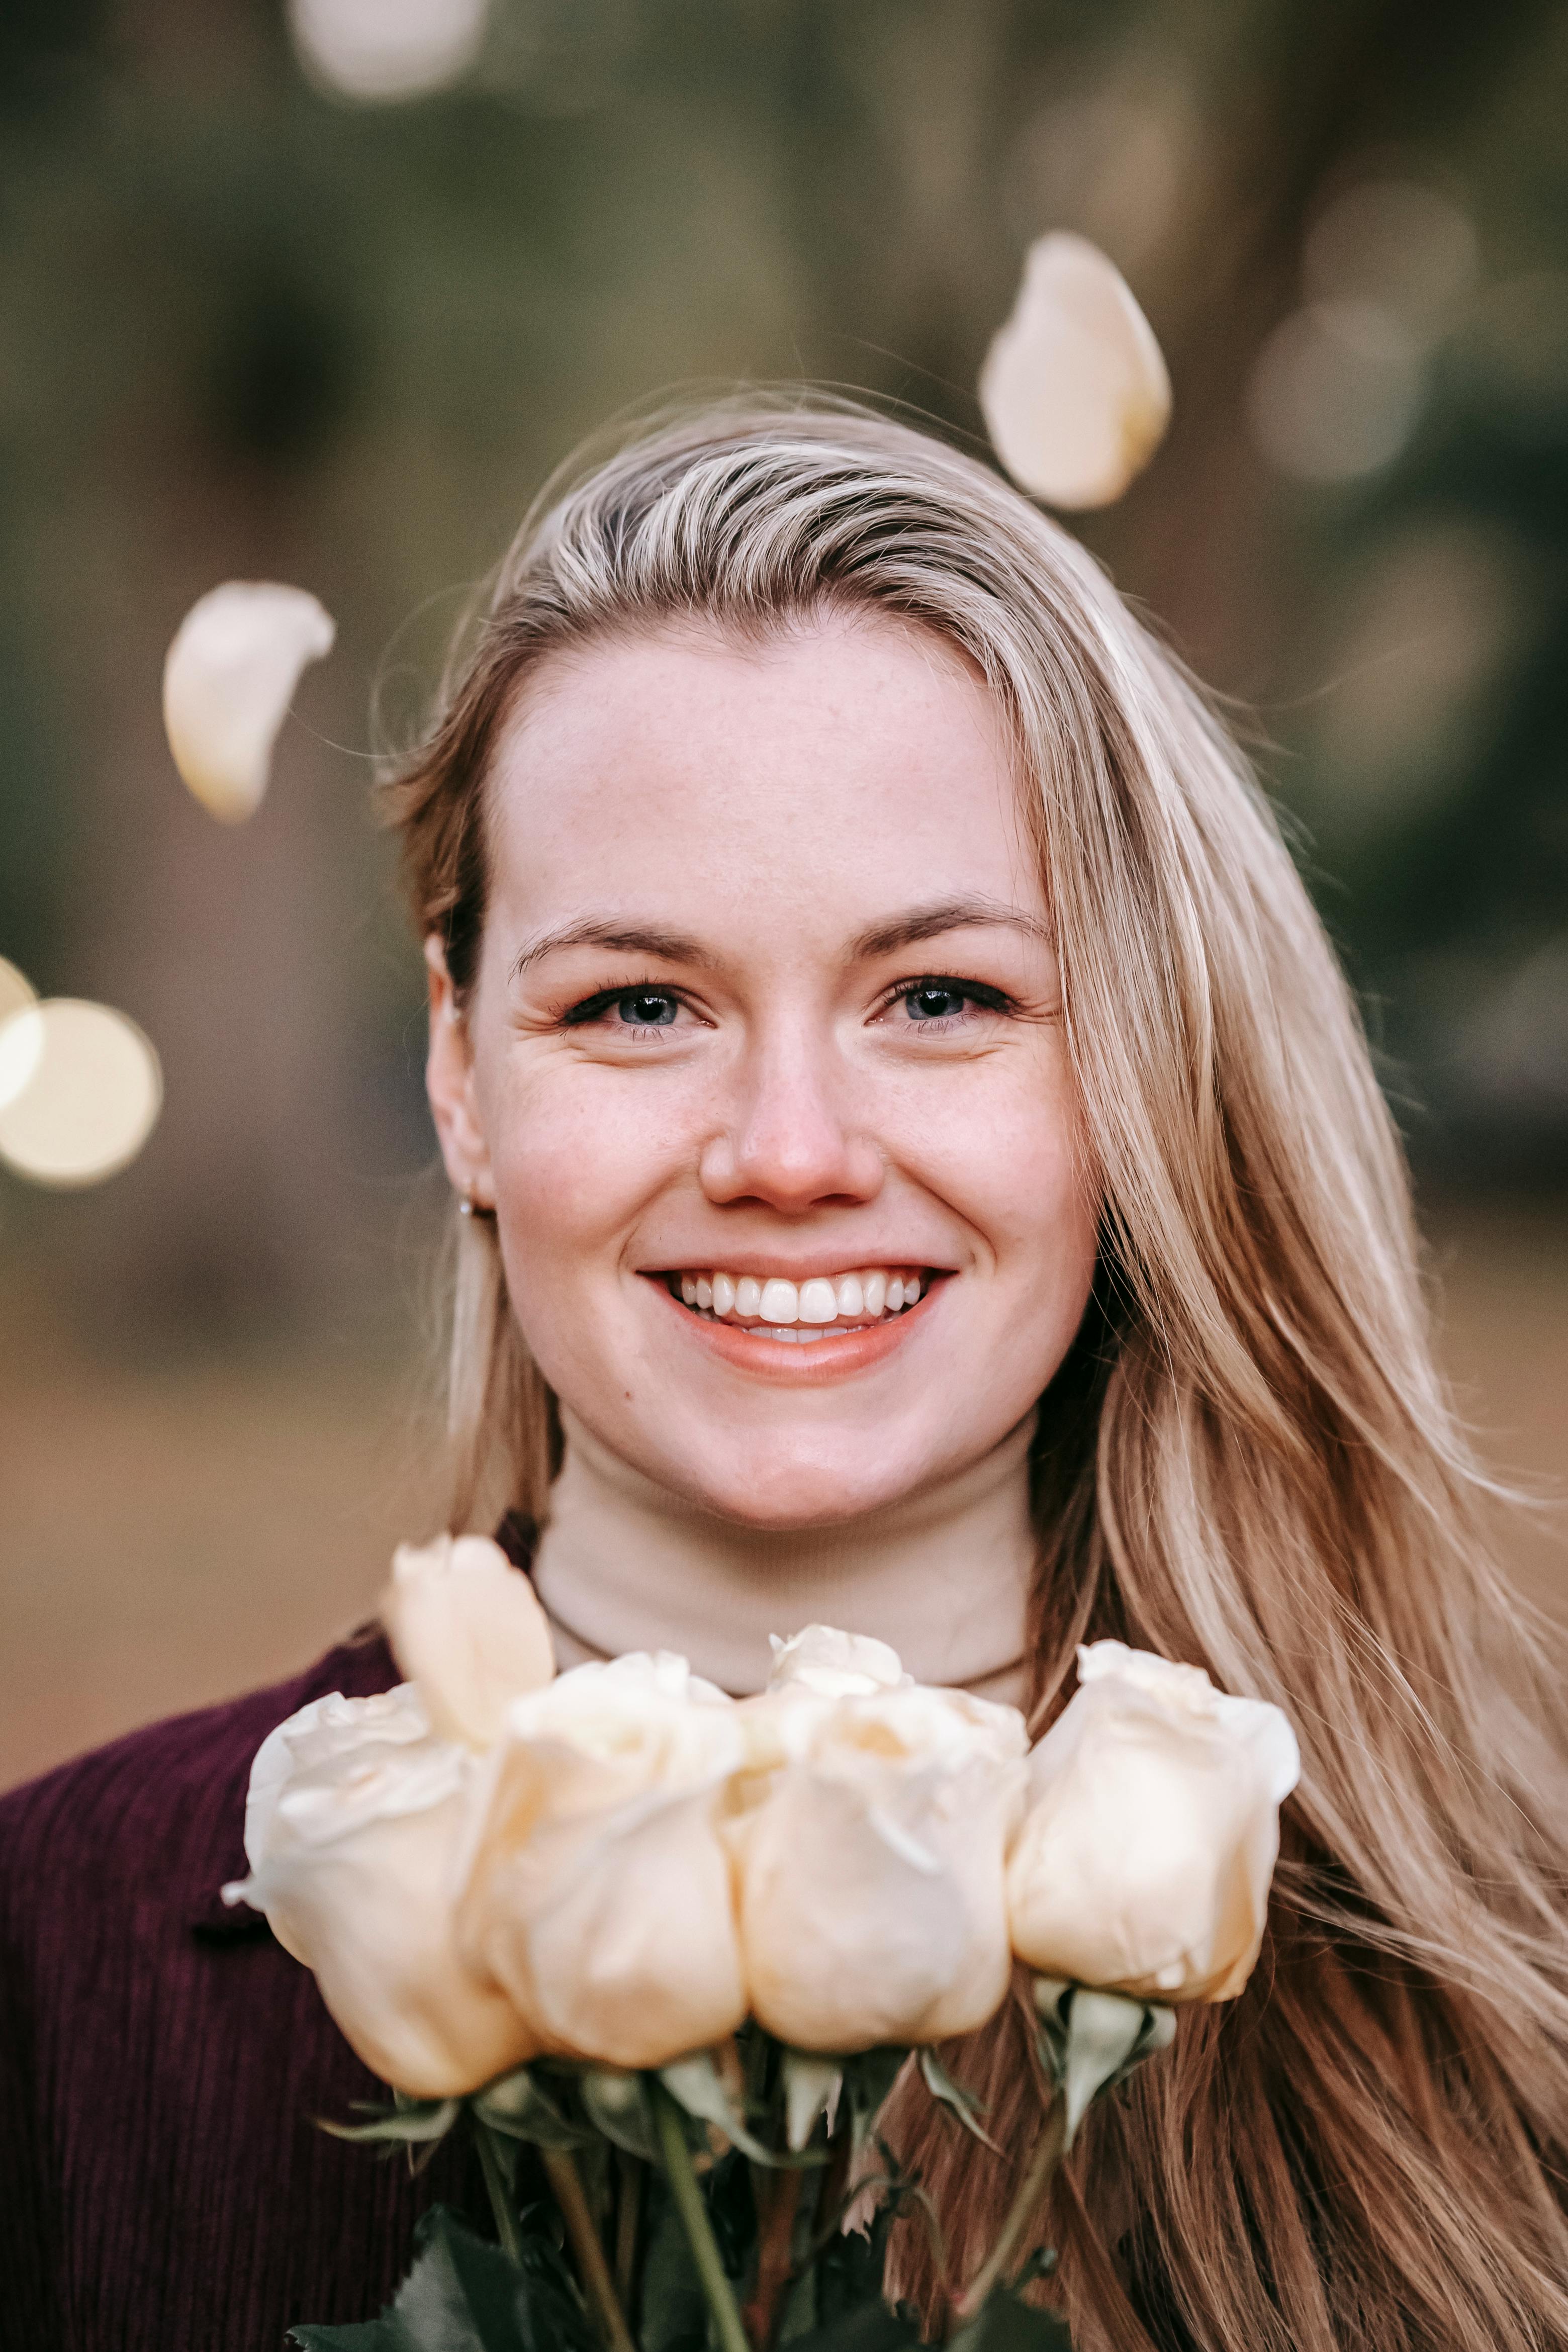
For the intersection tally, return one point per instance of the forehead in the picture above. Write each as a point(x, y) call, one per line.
point(832, 765)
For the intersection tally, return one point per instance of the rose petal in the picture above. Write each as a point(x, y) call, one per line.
point(1074, 388)
point(229, 678)
point(467, 1627)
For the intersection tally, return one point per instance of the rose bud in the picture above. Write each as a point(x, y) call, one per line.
point(355, 1814)
point(1151, 1831)
point(599, 1892)
point(467, 1627)
point(871, 1853)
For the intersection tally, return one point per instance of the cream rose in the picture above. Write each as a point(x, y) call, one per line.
point(869, 1852)
point(467, 1627)
point(1151, 1833)
point(352, 1822)
point(831, 1664)
point(599, 1891)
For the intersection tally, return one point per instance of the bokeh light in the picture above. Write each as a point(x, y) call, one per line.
point(1335, 392)
point(90, 1097)
point(377, 51)
point(1392, 243)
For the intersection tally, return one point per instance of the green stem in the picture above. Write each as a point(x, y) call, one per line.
point(1021, 2212)
point(591, 2267)
point(689, 2205)
point(500, 2196)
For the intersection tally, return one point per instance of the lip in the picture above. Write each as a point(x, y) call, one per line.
point(805, 1269)
point(779, 1362)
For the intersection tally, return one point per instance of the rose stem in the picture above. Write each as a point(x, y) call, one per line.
point(780, 2201)
point(500, 2200)
point(628, 2223)
point(1042, 2163)
point(593, 2270)
point(689, 2205)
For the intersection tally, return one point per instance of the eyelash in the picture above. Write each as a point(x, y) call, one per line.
point(592, 1008)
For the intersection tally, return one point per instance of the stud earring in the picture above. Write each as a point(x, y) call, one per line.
point(466, 1205)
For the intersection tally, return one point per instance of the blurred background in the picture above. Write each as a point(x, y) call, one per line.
point(319, 294)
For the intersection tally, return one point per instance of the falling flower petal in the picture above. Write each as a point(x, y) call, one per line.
point(227, 681)
point(88, 1096)
point(1074, 388)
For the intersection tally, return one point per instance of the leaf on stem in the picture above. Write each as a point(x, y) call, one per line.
point(1091, 2041)
point(410, 2124)
point(697, 2085)
point(617, 2104)
point(956, 2097)
point(514, 2104)
point(811, 2089)
point(869, 2076)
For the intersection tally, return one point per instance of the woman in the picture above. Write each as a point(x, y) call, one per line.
point(920, 1169)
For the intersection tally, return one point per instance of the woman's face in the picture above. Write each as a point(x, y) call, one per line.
point(767, 1014)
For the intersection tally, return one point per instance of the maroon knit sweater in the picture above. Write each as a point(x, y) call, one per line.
point(163, 2186)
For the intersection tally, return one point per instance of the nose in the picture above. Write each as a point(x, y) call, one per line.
point(787, 1142)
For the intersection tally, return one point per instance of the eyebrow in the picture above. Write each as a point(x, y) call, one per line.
point(905, 930)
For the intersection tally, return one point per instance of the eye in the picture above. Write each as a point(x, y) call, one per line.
point(638, 1009)
point(647, 1008)
point(941, 1003)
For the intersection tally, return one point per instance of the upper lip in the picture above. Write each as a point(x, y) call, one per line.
point(773, 1268)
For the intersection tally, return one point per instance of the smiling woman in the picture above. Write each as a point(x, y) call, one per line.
point(920, 1169)
point(824, 878)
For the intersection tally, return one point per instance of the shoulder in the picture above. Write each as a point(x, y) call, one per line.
point(161, 1808)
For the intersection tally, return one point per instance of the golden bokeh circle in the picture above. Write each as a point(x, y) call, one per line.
point(91, 1096)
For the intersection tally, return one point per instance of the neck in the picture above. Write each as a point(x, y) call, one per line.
point(944, 1576)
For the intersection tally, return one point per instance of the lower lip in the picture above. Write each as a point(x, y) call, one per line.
point(812, 1364)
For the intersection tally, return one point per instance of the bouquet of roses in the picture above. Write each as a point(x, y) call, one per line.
point(666, 1952)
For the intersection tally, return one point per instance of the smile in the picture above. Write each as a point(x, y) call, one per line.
point(825, 1306)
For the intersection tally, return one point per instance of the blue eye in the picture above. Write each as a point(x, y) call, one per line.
point(933, 1001)
point(647, 1008)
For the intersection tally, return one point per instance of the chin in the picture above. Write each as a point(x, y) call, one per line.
point(777, 1491)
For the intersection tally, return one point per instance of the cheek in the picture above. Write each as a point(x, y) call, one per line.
point(576, 1154)
point(1012, 1155)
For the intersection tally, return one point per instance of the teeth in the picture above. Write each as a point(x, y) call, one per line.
point(781, 1310)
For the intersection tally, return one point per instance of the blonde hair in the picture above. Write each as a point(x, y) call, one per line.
point(1248, 1460)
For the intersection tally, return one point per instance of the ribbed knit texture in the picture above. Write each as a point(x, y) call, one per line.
point(163, 2185)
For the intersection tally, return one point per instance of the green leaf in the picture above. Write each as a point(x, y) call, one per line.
point(1010, 2325)
point(617, 2104)
point(811, 2087)
point(956, 2097)
point(672, 2307)
point(1090, 2041)
point(869, 2327)
point(465, 2295)
point(514, 2104)
point(407, 2124)
point(696, 2084)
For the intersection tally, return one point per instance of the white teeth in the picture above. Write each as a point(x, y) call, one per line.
point(777, 1308)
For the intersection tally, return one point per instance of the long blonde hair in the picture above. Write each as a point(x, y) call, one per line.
point(1248, 1460)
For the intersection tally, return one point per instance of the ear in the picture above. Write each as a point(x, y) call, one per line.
point(449, 1082)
